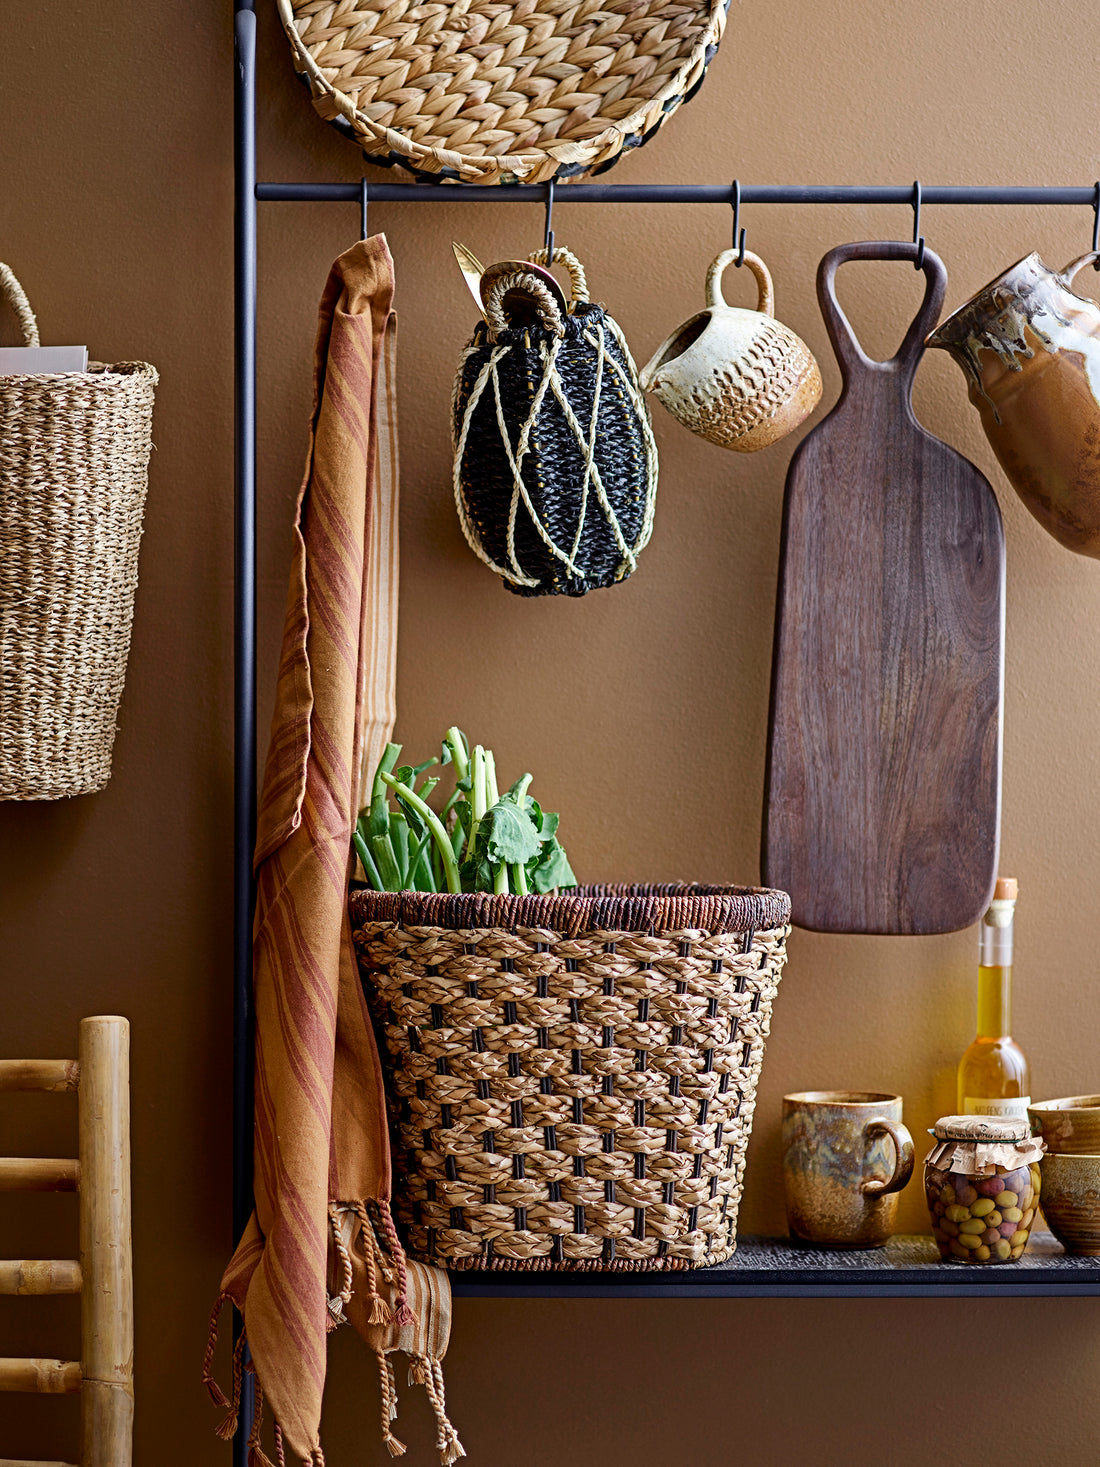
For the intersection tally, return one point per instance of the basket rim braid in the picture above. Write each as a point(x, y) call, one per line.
point(488, 91)
point(571, 1079)
point(636, 907)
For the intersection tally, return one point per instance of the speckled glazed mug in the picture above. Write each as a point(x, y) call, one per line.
point(739, 378)
point(846, 1156)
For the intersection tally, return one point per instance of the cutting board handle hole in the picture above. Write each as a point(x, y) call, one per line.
point(880, 300)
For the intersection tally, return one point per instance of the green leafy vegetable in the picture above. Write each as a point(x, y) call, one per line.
point(479, 840)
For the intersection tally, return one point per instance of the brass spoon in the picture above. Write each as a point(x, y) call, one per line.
point(472, 271)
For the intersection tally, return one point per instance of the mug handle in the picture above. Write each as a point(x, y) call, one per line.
point(1071, 269)
point(765, 303)
point(903, 1161)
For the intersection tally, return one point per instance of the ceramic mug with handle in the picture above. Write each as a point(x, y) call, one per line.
point(846, 1156)
point(737, 377)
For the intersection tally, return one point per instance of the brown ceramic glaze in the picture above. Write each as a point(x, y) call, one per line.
point(846, 1155)
point(1071, 1201)
point(1069, 1125)
point(1030, 349)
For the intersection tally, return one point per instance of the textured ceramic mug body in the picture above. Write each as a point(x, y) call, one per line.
point(1071, 1201)
point(1030, 349)
point(846, 1156)
point(736, 377)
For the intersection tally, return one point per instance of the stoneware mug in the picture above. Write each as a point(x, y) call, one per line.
point(739, 378)
point(846, 1156)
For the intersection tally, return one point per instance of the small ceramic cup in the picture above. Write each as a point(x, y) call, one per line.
point(846, 1156)
point(736, 377)
point(1071, 1201)
point(1068, 1125)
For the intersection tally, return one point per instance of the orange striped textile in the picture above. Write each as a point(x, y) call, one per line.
point(321, 1247)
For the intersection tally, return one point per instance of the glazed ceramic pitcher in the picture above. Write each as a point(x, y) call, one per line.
point(1030, 348)
point(739, 378)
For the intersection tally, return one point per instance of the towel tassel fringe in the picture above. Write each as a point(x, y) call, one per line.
point(402, 1314)
point(214, 1390)
point(227, 1428)
point(379, 1310)
point(389, 1404)
point(447, 1442)
point(337, 1303)
point(257, 1457)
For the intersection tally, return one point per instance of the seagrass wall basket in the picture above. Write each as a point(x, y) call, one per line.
point(481, 91)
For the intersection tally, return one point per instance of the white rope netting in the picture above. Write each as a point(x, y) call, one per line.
point(517, 448)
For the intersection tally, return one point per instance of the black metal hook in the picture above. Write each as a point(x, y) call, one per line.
point(549, 224)
point(738, 231)
point(363, 209)
point(1096, 224)
point(918, 238)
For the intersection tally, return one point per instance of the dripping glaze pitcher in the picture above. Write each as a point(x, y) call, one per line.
point(1030, 348)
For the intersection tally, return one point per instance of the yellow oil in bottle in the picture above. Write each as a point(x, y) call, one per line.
point(993, 1074)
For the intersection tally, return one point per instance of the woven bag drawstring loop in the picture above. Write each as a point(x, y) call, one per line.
point(16, 297)
point(578, 281)
point(528, 284)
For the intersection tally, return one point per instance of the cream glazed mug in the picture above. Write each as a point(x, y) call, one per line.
point(737, 377)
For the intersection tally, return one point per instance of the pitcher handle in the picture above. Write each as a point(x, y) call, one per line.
point(1071, 270)
point(765, 302)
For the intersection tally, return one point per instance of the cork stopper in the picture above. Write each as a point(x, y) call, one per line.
point(982, 1128)
point(995, 933)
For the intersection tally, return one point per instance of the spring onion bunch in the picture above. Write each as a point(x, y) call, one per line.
point(480, 840)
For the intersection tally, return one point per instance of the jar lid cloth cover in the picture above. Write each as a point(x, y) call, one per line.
point(978, 1145)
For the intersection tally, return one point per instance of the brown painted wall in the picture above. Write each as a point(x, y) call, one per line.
point(642, 710)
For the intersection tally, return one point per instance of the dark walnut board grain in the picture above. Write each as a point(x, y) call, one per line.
point(882, 803)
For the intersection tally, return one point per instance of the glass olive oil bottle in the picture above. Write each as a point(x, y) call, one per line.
point(994, 1079)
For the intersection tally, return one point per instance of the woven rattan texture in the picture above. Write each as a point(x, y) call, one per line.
point(492, 92)
point(74, 454)
point(555, 465)
point(757, 385)
point(566, 1095)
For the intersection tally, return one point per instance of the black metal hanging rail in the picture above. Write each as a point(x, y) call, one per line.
point(249, 192)
point(668, 193)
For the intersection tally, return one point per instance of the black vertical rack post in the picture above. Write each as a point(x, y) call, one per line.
point(244, 642)
point(767, 1273)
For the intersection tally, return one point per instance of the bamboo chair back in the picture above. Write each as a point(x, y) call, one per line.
point(103, 1275)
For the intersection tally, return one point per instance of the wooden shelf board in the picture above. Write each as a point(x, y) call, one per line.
point(774, 1268)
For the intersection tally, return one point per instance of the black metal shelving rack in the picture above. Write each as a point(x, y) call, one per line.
point(762, 1268)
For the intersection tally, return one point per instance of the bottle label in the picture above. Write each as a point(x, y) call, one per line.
point(974, 1106)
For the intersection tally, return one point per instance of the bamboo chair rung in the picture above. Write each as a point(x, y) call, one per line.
point(53, 1075)
point(40, 1276)
point(26, 1462)
point(103, 1276)
point(48, 1377)
point(39, 1174)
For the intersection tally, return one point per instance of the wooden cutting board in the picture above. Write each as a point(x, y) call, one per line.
point(882, 804)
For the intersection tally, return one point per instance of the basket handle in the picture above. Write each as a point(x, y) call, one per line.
point(531, 286)
point(16, 297)
point(578, 284)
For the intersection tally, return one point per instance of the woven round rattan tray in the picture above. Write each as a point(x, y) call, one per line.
point(488, 92)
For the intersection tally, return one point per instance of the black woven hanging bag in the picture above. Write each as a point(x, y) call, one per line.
point(555, 467)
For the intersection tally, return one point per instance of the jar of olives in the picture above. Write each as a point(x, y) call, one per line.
point(981, 1179)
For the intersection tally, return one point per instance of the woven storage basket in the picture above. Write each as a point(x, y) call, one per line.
point(492, 92)
point(74, 455)
point(572, 1078)
point(555, 465)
